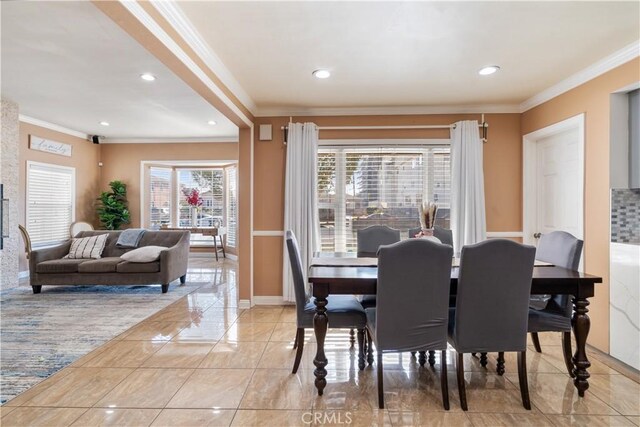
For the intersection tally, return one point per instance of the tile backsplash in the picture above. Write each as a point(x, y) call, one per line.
point(625, 216)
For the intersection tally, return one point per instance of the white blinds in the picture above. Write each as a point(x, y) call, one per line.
point(363, 186)
point(50, 202)
point(232, 205)
point(159, 196)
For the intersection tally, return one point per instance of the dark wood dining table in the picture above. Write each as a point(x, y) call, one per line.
point(356, 279)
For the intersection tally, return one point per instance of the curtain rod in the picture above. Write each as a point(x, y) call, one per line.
point(453, 126)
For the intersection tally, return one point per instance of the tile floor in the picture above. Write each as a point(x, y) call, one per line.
point(202, 361)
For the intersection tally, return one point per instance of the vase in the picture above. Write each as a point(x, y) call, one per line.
point(194, 216)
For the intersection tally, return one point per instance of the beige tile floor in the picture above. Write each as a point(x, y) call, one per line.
point(202, 361)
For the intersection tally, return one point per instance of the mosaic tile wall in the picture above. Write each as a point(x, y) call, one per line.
point(625, 216)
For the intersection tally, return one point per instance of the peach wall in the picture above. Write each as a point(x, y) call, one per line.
point(85, 157)
point(502, 167)
point(123, 161)
point(591, 98)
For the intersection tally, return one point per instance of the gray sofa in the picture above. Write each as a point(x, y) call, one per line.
point(49, 267)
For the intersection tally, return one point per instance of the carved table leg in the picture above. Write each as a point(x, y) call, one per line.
point(320, 323)
point(500, 363)
point(483, 360)
point(422, 358)
point(432, 358)
point(361, 349)
point(581, 325)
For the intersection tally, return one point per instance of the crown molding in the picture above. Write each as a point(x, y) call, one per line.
point(210, 140)
point(391, 111)
point(152, 26)
point(171, 11)
point(52, 126)
point(608, 63)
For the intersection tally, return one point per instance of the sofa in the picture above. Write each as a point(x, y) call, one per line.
point(48, 267)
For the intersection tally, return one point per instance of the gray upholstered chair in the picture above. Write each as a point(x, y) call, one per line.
point(344, 311)
point(492, 305)
point(563, 250)
point(371, 238)
point(444, 234)
point(412, 303)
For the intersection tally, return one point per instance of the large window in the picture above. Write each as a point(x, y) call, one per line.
point(50, 202)
point(169, 186)
point(363, 186)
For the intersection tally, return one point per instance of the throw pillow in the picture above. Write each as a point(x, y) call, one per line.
point(87, 247)
point(143, 254)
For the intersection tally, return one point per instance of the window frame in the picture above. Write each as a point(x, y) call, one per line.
point(28, 186)
point(340, 209)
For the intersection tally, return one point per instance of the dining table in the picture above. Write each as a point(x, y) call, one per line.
point(342, 273)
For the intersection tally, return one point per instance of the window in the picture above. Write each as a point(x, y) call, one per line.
point(168, 188)
point(50, 202)
point(232, 205)
point(363, 186)
point(159, 196)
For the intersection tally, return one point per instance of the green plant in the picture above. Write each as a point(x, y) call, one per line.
point(112, 206)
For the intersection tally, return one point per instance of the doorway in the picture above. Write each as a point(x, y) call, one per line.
point(553, 180)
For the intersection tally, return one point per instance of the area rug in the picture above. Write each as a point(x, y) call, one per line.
point(43, 333)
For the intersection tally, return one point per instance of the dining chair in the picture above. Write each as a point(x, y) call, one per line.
point(492, 304)
point(343, 311)
point(561, 249)
point(444, 234)
point(79, 226)
point(412, 304)
point(371, 238)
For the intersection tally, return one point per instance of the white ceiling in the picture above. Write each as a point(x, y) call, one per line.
point(68, 64)
point(392, 54)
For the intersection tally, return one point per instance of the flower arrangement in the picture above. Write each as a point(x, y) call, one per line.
point(194, 199)
point(428, 212)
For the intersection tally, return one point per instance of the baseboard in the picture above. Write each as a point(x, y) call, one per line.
point(504, 234)
point(23, 274)
point(244, 304)
point(269, 300)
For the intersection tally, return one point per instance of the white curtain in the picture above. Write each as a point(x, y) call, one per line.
point(301, 198)
point(468, 221)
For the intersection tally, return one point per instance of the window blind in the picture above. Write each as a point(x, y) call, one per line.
point(209, 183)
point(50, 203)
point(363, 186)
point(232, 205)
point(160, 196)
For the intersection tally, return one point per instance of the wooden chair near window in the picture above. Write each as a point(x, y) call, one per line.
point(26, 239)
point(78, 226)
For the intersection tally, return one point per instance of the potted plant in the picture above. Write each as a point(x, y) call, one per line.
point(112, 208)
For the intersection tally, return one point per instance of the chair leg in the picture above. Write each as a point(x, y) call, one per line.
point(566, 351)
point(460, 375)
point(522, 378)
point(295, 341)
point(500, 364)
point(380, 382)
point(300, 340)
point(432, 358)
point(444, 384)
point(483, 360)
point(352, 337)
point(369, 348)
point(361, 349)
point(422, 359)
point(536, 341)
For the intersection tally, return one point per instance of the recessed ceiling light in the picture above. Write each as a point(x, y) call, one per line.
point(488, 70)
point(212, 122)
point(321, 74)
point(148, 77)
point(104, 123)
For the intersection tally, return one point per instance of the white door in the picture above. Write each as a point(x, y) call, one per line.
point(554, 180)
point(558, 190)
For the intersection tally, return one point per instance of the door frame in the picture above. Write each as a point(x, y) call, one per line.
point(529, 172)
